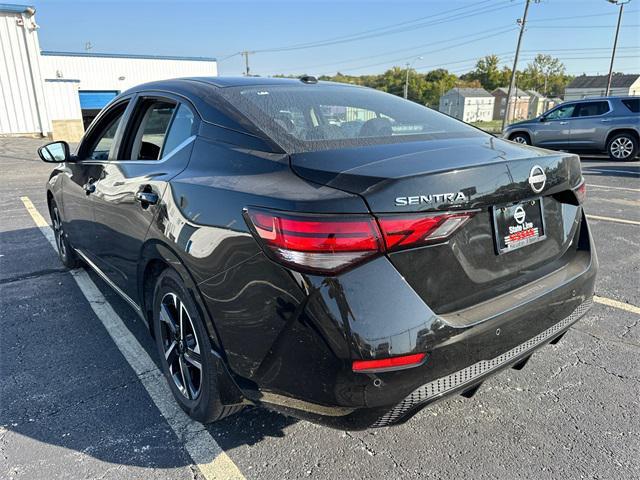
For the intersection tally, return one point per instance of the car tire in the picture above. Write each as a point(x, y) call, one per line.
point(66, 253)
point(622, 147)
point(184, 348)
point(521, 138)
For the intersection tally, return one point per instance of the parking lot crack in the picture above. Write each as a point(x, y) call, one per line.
point(30, 275)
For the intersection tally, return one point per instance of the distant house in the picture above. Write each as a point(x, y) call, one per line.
point(468, 104)
point(537, 104)
point(519, 109)
point(552, 102)
point(596, 86)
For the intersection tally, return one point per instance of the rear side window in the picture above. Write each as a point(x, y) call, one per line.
point(147, 144)
point(591, 109)
point(324, 116)
point(181, 128)
point(632, 104)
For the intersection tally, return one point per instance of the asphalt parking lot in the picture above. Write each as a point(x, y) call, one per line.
point(80, 396)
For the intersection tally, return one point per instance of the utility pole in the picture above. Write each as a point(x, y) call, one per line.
point(522, 22)
point(615, 43)
point(406, 78)
point(246, 54)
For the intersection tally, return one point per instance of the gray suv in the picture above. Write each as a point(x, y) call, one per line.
point(603, 124)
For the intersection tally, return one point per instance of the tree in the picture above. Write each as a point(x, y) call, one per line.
point(545, 74)
point(488, 73)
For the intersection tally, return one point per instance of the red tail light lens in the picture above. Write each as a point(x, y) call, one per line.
point(581, 192)
point(408, 231)
point(332, 243)
point(388, 364)
point(327, 243)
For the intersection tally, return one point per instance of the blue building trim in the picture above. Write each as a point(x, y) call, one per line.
point(13, 8)
point(124, 55)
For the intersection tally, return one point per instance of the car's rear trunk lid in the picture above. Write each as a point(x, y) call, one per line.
point(476, 174)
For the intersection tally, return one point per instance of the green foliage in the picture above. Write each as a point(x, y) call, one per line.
point(489, 74)
point(544, 74)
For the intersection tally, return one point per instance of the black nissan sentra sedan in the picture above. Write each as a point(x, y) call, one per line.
point(333, 252)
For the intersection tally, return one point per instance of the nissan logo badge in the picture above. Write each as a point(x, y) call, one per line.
point(537, 179)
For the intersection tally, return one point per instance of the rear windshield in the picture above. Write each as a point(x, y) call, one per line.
point(325, 116)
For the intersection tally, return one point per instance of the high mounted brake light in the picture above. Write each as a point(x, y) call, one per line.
point(328, 244)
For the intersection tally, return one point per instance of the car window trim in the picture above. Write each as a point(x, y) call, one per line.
point(180, 146)
point(168, 97)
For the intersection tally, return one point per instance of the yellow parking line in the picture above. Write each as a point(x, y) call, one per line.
point(616, 304)
point(35, 214)
point(614, 188)
point(611, 219)
point(207, 455)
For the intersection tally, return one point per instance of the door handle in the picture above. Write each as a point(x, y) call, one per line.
point(563, 123)
point(146, 196)
point(90, 186)
point(605, 120)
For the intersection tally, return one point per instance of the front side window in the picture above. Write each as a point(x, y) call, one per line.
point(590, 109)
point(325, 116)
point(561, 112)
point(101, 143)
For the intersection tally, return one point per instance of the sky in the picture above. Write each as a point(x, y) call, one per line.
point(352, 36)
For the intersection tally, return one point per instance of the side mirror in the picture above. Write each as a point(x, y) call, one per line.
point(55, 152)
point(543, 119)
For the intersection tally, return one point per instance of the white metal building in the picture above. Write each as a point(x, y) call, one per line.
point(57, 94)
point(22, 109)
point(468, 104)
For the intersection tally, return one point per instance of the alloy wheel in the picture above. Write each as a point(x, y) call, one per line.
point(520, 139)
point(621, 147)
point(181, 346)
point(58, 232)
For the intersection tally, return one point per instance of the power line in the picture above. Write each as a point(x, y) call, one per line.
point(430, 51)
point(391, 52)
point(473, 13)
point(377, 29)
point(554, 19)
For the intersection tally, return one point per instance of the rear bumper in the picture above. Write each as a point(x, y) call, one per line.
point(394, 321)
point(473, 374)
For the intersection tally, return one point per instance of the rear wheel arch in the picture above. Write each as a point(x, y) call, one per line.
point(154, 259)
point(618, 131)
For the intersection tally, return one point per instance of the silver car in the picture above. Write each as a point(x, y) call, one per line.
point(603, 124)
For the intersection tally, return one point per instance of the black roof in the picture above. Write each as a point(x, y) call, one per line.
point(203, 93)
point(618, 80)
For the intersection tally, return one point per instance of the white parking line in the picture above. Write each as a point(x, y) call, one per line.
point(616, 304)
point(611, 219)
point(211, 460)
point(587, 171)
point(614, 188)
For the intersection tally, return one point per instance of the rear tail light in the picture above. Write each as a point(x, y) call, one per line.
point(581, 192)
point(388, 364)
point(408, 231)
point(329, 244)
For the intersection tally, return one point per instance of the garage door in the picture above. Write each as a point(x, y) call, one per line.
point(95, 99)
